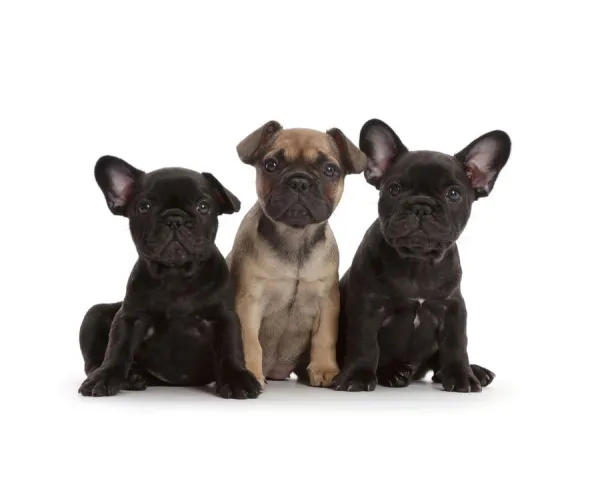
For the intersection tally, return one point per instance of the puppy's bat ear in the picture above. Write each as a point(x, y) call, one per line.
point(250, 148)
point(483, 160)
point(227, 201)
point(116, 178)
point(353, 160)
point(382, 147)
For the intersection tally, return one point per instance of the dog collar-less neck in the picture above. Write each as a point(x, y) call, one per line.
point(187, 270)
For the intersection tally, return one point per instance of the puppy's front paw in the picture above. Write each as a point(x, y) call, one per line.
point(255, 367)
point(238, 384)
point(485, 376)
point(322, 375)
point(459, 378)
point(396, 376)
point(358, 380)
point(102, 382)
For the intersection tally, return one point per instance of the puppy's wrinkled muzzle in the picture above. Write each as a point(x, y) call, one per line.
point(174, 253)
point(297, 202)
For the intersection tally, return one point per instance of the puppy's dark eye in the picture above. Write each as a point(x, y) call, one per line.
point(144, 206)
point(394, 189)
point(330, 169)
point(203, 207)
point(453, 194)
point(270, 165)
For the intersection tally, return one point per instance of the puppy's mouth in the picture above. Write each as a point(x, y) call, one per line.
point(175, 253)
point(296, 212)
point(161, 270)
point(418, 245)
point(297, 216)
point(418, 250)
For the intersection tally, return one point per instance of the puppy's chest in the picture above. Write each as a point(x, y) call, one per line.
point(296, 292)
point(409, 297)
point(191, 328)
point(174, 304)
point(405, 288)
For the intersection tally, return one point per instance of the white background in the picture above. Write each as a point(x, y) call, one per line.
point(180, 84)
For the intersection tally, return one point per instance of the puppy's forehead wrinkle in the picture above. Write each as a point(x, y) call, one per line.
point(175, 187)
point(428, 169)
point(303, 143)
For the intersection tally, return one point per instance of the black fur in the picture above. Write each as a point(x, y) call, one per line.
point(402, 312)
point(177, 324)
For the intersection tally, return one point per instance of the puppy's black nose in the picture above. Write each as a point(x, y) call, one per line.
point(298, 183)
point(175, 218)
point(174, 221)
point(421, 209)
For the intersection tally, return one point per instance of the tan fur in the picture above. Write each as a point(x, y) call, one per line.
point(275, 334)
point(287, 309)
point(303, 143)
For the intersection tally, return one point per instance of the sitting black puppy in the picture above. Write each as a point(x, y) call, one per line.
point(402, 312)
point(177, 324)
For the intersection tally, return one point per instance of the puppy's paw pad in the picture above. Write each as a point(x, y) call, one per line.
point(355, 381)
point(239, 384)
point(322, 376)
point(483, 375)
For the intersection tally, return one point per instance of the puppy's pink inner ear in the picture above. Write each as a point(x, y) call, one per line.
point(383, 148)
point(479, 166)
point(121, 187)
point(479, 180)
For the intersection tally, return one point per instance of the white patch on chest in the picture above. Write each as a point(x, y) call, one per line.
point(150, 332)
point(417, 321)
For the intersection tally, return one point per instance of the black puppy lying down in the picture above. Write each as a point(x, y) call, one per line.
point(402, 312)
point(177, 324)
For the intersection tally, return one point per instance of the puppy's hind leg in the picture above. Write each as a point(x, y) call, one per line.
point(93, 334)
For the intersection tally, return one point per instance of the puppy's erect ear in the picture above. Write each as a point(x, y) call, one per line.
point(354, 160)
point(250, 148)
point(382, 147)
point(484, 158)
point(227, 201)
point(116, 178)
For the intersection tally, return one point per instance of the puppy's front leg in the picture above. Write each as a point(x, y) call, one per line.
point(362, 349)
point(233, 379)
point(126, 333)
point(250, 312)
point(455, 370)
point(323, 365)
